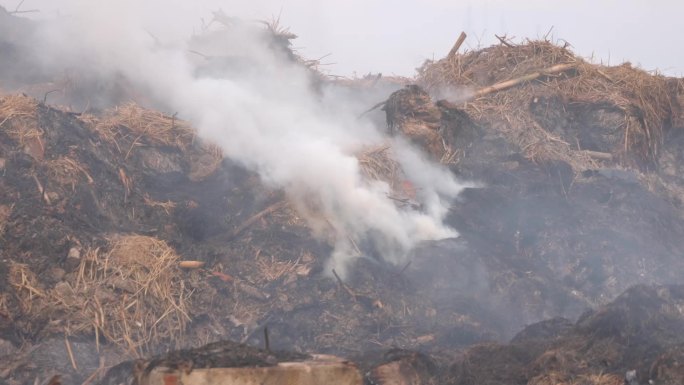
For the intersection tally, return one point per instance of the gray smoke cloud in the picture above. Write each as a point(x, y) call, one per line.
point(266, 113)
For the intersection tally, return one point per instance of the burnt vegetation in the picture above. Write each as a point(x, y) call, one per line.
point(124, 235)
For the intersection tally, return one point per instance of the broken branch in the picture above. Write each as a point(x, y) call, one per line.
point(382, 103)
point(529, 77)
point(457, 45)
point(267, 343)
point(343, 285)
point(70, 352)
point(17, 11)
point(250, 221)
point(190, 264)
point(502, 40)
point(598, 155)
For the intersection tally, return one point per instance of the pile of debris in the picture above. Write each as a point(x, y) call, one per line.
point(123, 235)
point(556, 106)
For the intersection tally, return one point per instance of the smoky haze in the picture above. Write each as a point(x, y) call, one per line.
point(396, 37)
point(265, 111)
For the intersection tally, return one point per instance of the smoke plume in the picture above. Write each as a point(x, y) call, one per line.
point(264, 110)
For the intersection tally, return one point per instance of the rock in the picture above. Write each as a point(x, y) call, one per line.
point(73, 259)
point(53, 196)
point(631, 378)
point(74, 253)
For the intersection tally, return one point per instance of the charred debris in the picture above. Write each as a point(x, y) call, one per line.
point(124, 236)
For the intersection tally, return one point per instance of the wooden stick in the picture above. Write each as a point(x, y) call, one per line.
point(267, 343)
point(457, 45)
point(70, 352)
point(92, 376)
point(250, 221)
point(503, 41)
point(598, 155)
point(605, 75)
point(42, 191)
point(529, 77)
point(381, 104)
point(404, 269)
point(48, 93)
point(190, 264)
point(356, 247)
point(251, 333)
point(19, 6)
point(16, 10)
point(344, 286)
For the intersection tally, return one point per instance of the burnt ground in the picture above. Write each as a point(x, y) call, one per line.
point(536, 242)
point(544, 247)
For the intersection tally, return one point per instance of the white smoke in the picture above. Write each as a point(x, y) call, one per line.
point(266, 114)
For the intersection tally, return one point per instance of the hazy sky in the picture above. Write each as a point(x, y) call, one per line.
point(394, 37)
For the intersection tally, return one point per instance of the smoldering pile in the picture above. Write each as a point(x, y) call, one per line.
point(126, 233)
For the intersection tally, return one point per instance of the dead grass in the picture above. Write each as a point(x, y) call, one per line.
point(133, 295)
point(151, 305)
point(272, 269)
point(644, 99)
point(378, 164)
point(27, 287)
point(278, 30)
point(599, 379)
point(19, 118)
point(558, 378)
point(66, 171)
point(130, 126)
point(143, 126)
point(205, 162)
point(167, 206)
point(369, 81)
point(5, 213)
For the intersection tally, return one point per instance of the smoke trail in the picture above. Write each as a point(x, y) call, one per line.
point(265, 111)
